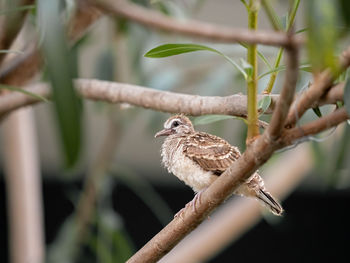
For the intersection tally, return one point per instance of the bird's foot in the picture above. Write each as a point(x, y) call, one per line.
point(196, 200)
point(180, 213)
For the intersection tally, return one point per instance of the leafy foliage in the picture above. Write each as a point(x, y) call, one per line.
point(67, 103)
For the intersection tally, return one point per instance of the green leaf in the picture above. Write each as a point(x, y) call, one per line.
point(264, 104)
point(345, 10)
point(168, 50)
point(317, 111)
point(11, 51)
point(261, 56)
point(36, 96)
point(272, 15)
point(208, 119)
point(322, 34)
point(17, 9)
point(248, 69)
point(67, 104)
point(304, 67)
point(347, 95)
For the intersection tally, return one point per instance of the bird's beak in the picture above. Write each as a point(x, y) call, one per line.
point(164, 132)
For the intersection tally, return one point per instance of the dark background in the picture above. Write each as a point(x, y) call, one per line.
point(315, 227)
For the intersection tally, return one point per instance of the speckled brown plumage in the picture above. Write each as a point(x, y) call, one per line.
point(198, 158)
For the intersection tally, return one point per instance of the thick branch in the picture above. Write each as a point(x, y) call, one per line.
point(114, 92)
point(193, 28)
point(237, 216)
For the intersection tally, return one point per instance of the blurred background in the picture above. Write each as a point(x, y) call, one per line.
point(135, 195)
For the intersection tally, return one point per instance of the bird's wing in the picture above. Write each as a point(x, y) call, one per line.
point(210, 152)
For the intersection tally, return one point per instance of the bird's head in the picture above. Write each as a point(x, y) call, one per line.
point(178, 124)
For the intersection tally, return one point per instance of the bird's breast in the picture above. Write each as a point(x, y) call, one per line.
point(183, 167)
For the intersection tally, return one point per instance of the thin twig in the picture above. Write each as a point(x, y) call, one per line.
point(287, 94)
point(193, 28)
point(318, 89)
point(326, 122)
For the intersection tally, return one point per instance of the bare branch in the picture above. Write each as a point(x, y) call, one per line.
point(321, 84)
point(314, 127)
point(287, 94)
point(236, 217)
point(193, 28)
point(114, 92)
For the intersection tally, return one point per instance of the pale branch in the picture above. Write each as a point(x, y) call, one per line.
point(114, 92)
point(24, 67)
point(287, 94)
point(333, 119)
point(317, 90)
point(255, 156)
point(194, 28)
point(238, 215)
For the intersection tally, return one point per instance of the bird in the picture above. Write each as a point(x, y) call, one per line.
point(199, 158)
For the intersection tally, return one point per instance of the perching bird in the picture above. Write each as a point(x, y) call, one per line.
point(198, 158)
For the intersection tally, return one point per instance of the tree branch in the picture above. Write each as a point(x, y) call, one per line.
point(193, 28)
point(287, 94)
point(318, 89)
point(236, 217)
point(333, 119)
point(114, 92)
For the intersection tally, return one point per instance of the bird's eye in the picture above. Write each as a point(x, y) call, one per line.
point(175, 124)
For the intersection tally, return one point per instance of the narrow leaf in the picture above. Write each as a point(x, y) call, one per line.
point(11, 51)
point(347, 96)
point(264, 104)
point(208, 119)
point(248, 69)
point(322, 34)
point(304, 67)
point(60, 70)
point(168, 50)
point(17, 9)
point(317, 111)
point(261, 55)
point(31, 94)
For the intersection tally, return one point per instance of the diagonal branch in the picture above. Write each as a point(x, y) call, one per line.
point(326, 122)
point(193, 28)
point(255, 156)
point(318, 89)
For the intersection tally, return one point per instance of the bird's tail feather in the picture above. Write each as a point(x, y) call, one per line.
point(270, 202)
